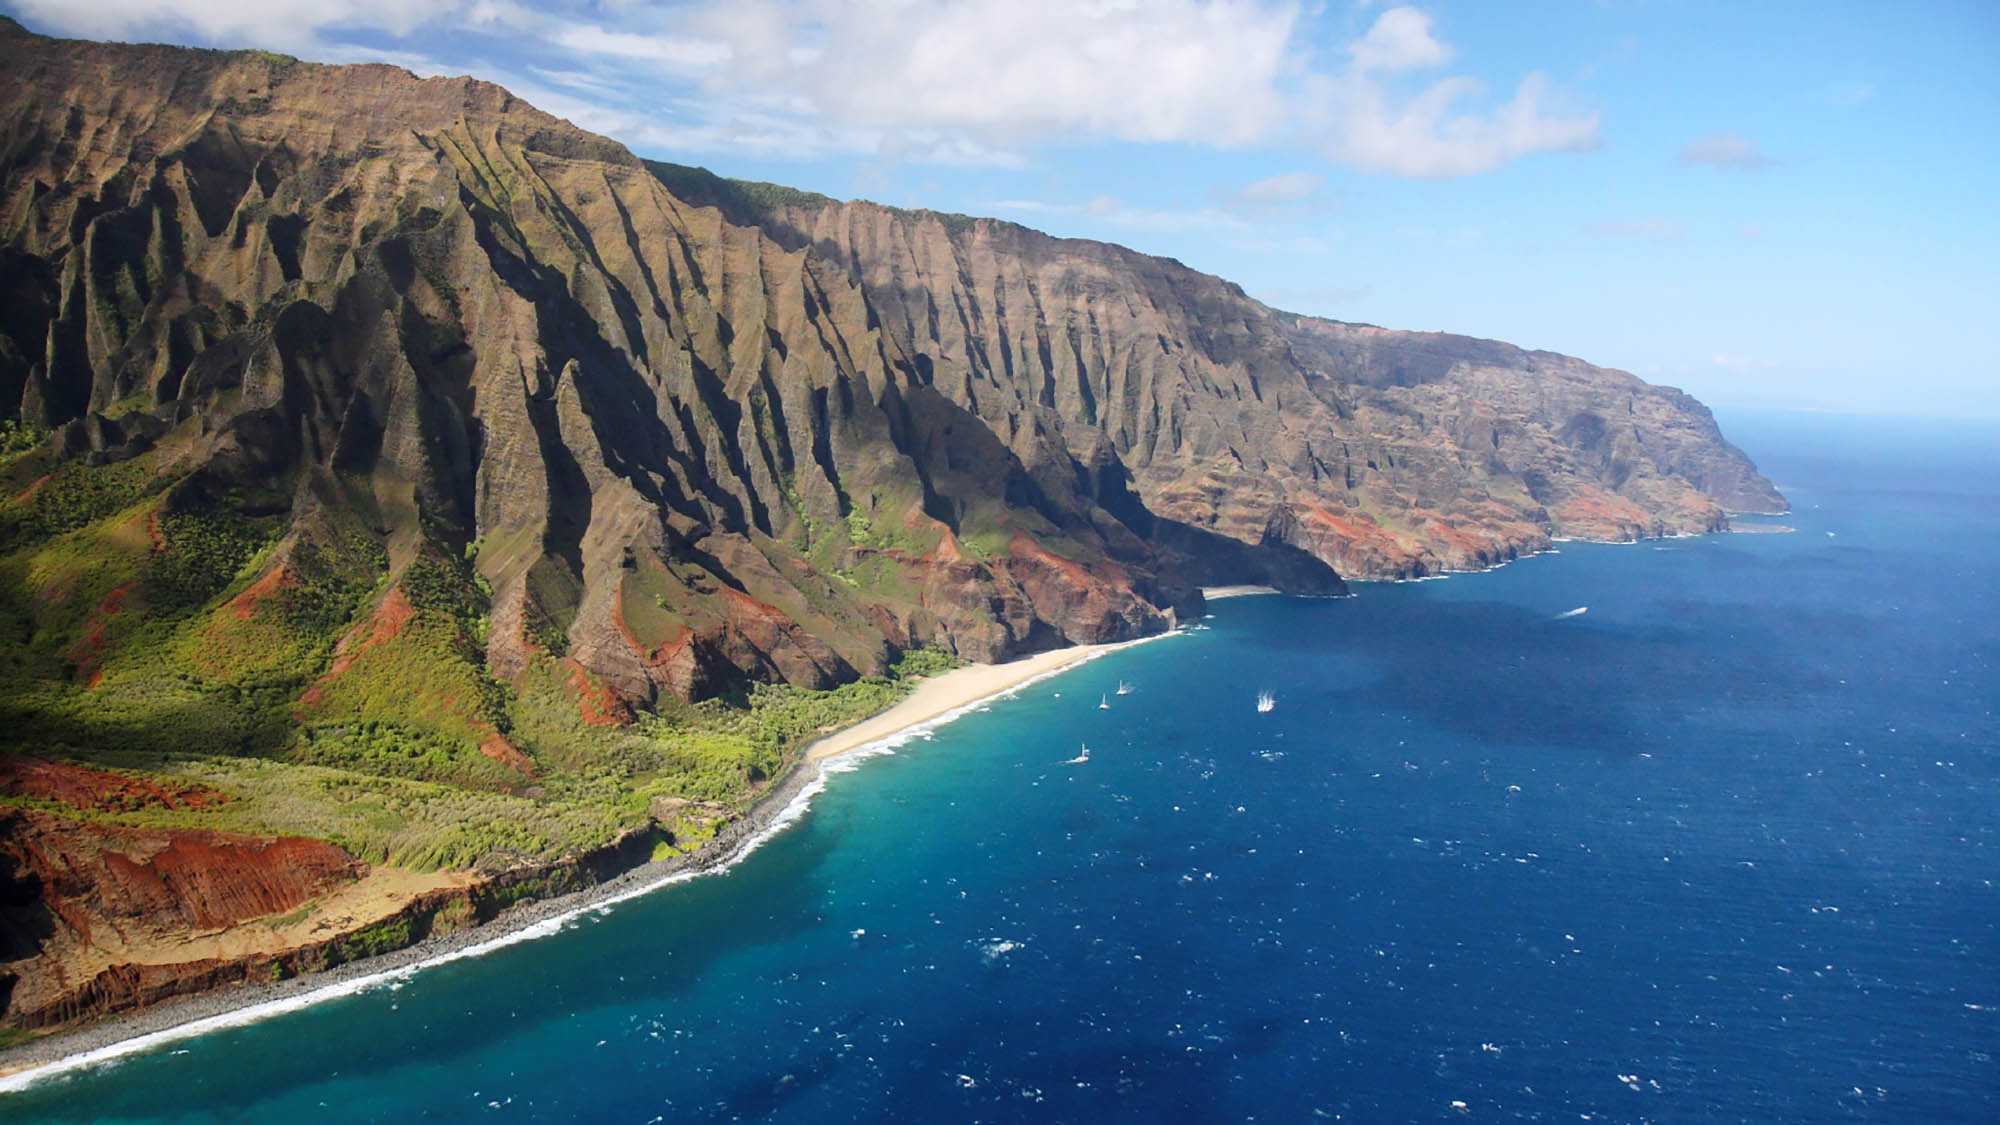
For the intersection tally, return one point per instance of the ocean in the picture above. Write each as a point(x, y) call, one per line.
point(1721, 847)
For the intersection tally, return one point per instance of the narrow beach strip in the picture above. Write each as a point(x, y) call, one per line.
point(1217, 593)
point(936, 701)
point(955, 690)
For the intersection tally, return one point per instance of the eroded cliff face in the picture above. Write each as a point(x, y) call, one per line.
point(1385, 454)
point(681, 448)
point(80, 899)
point(690, 438)
point(364, 423)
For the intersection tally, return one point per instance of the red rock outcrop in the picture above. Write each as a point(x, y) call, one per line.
point(84, 898)
point(97, 877)
point(67, 982)
point(707, 399)
point(99, 790)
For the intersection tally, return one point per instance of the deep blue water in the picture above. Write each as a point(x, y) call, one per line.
point(1721, 849)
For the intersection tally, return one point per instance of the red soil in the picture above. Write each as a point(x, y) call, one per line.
point(599, 705)
point(1360, 532)
point(947, 550)
point(1024, 546)
point(98, 790)
point(94, 875)
point(88, 652)
point(277, 578)
point(381, 627)
point(496, 747)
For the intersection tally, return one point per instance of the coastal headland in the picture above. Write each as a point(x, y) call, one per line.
point(936, 697)
point(415, 509)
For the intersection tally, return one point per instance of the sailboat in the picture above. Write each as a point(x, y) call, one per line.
point(1082, 756)
point(1124, 688)
point(1265, 701)
point(1103, 703)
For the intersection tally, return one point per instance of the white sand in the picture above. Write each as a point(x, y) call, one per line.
point(1217, 593)
point(957, 688)
point(204, 1012)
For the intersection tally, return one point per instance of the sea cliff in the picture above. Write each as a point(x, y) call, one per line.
point(399, 479)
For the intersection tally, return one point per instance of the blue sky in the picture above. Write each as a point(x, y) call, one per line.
point(1768, 204)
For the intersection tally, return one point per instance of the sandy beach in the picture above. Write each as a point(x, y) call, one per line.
point(940, 695)
point(1217, 593)
point(783, 803)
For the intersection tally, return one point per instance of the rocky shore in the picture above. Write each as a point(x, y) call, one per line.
point(202, 1011)
point(617, 878)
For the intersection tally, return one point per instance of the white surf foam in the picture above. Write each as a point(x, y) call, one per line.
point(787, 816)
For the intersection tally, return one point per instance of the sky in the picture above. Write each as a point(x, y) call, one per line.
point(1770, 204)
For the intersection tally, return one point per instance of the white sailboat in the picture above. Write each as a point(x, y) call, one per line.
point(1124, 688)
point(1265, 701)
point(1103, 703)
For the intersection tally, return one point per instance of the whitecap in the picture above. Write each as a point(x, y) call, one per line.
point(793, 810)
point(992, 949)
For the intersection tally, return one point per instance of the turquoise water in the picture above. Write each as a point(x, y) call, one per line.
point(1722, 848)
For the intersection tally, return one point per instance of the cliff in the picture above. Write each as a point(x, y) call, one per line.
point(398, 464)
point(1386, 454)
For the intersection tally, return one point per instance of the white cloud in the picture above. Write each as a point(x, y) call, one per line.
point(283, 24)
point(1289, 196)
point(946, 81)
point(1727, 150)
point(1287, 188)
point(1007, 71)
point(672, 51)
point(1664, 230)
point(1425, 136)
point(1400, 39)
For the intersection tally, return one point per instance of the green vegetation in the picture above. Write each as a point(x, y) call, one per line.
point(390, 749)
point(754, 200)
point(704, 188)
point(18, 437)
point(72, 498)
point(204, 552)
point(146, 627)
point(378, 938)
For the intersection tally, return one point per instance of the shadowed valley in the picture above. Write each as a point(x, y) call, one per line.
point(411, 503)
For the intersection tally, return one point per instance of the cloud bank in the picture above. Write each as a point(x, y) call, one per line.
point(954, 81)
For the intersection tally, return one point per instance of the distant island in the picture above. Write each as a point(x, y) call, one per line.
point(413, 506)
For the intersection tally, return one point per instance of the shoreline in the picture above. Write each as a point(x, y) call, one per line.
point(936, 701)
point(1219, 593)
point(940, 695)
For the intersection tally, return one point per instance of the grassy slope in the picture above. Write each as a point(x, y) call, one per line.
point(145, 627)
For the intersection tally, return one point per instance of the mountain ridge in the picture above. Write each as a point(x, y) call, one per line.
point(425, 476)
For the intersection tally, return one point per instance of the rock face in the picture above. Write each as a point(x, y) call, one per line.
point(1386, 454)
point(360, 422)
point(691, 431)
point(78, 899)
